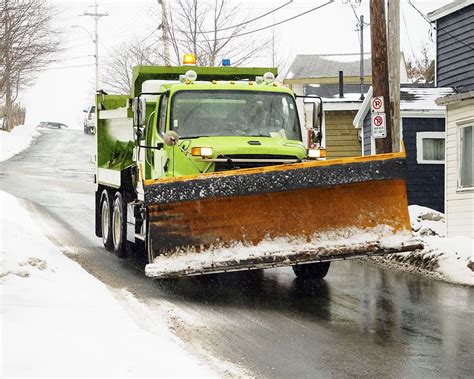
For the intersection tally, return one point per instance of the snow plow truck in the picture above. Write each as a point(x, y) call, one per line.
point(205, 171)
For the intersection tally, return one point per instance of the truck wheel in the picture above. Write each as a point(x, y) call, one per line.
point(105, 220)
point(119, 226)
point(312, 270)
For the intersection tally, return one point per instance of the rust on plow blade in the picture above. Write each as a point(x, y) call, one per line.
point(300, 200)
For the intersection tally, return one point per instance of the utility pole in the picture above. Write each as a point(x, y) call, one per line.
point(166, 31)
point(380, 67)
point(96, 16)
point(361, 26)
point(394, 70)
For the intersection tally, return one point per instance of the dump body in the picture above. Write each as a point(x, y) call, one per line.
point(213, 176)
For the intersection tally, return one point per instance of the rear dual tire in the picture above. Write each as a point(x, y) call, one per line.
point(119, 226)
point(105, 220)
point(114, 223)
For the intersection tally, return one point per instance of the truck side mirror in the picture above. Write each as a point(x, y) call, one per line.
point(139, 111)
point(171, 138)
point(317, 115)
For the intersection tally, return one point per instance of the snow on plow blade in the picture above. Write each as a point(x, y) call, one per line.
point(278, 215)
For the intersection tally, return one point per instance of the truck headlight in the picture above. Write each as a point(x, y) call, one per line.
point(205, 152)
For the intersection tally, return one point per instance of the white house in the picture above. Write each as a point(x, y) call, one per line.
point(459, 167)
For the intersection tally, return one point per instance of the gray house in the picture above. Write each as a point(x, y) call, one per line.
point(455, 45)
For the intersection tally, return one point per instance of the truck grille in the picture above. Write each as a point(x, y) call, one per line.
point(225, 166)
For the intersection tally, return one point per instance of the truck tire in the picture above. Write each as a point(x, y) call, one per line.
point(105, 220)
point(312, 270)
point(119, 226)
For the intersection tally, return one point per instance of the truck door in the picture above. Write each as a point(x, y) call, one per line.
point(159, 157)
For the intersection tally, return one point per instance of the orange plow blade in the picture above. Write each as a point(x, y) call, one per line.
point(278, 216)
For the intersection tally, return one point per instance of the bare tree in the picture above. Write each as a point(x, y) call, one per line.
point(118, 76)
point(210, 32)
point(27, 43)
point(421, 69)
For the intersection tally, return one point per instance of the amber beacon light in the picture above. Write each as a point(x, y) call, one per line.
point(189, 59)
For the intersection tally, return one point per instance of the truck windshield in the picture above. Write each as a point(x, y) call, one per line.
point(234, 113)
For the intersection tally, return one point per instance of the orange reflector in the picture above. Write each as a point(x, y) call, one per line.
point(205, 152)
point(189, 59)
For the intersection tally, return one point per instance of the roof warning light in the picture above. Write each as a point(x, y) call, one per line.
point(189, 59)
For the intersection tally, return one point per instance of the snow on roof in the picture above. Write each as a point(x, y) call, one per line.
point(448, 9)
point(413, 99)
point(327, 65)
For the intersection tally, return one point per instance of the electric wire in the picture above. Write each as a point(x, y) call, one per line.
point(248, 21)
point(70, 58)
point(274, 24)
point(434, 27)
point(408, 35)
point(64, 67)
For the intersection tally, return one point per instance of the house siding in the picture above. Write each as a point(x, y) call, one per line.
point(341, 136)
point(367, 134)
point(454, 53)
point(425, 182)
point(459, 204)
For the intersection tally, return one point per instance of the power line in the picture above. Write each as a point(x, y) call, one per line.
point(249, 21)
point(275, 24)
point(408, 35)
point(69, 58)
point(60, 68)
point(435, 28)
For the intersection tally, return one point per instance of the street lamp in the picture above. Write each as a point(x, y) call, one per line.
point(95, 39)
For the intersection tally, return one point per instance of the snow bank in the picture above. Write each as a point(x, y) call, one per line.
point(450, 259)
point(18, 139)
point(57, 320)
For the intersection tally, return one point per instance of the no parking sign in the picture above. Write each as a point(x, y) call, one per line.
point(379, 126)
point(377, 104)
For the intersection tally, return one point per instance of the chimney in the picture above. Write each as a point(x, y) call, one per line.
point(341, 84)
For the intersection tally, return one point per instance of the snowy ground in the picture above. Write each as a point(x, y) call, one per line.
point(450, 259)
point(57, 320)
point(18, 139)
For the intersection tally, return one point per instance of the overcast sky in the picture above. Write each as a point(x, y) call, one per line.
point(67, 86)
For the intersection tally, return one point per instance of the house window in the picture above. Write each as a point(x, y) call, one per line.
point(430, 147)
point(465, 167)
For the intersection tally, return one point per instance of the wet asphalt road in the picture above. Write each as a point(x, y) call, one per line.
point(360, 321)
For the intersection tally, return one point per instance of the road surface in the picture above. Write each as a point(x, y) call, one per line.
point(360, 321)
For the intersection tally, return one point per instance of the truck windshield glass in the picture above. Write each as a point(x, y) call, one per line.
point(234, 113)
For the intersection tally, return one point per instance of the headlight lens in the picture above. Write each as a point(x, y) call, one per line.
point(205, 152)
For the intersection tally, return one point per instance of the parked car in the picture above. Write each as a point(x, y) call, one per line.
point(89, 120)
point(51, 125)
